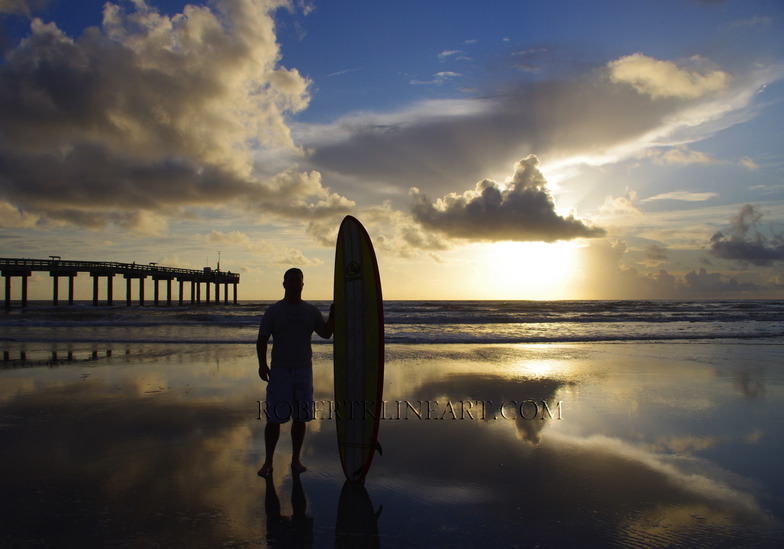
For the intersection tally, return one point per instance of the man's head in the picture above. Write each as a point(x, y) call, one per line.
point(293, 281)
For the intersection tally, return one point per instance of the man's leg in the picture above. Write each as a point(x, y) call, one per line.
point(298, 429)
point(271, 435)
point(277, 411)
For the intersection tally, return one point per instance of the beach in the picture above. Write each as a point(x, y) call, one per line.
point(546, 240)
point(625, 444)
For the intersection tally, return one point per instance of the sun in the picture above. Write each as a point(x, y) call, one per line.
point(531, 270)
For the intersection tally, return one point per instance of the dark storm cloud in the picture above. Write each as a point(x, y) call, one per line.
point(522, 210)
point(746, 243)
point(154, 113)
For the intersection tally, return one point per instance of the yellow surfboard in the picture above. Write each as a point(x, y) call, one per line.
point(358, 348)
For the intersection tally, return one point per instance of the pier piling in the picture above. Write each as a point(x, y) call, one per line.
point(57, 268)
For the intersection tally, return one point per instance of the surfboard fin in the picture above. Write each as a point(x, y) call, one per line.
point(379, 449)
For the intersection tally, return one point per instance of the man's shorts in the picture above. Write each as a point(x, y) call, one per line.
point(290, 395)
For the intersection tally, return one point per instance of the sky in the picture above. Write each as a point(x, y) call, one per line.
point(493, 150)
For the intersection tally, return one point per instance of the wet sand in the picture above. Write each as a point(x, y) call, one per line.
point(628, 445)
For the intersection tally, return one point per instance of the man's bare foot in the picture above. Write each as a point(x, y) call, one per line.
point(298, 468)
point(265, 471)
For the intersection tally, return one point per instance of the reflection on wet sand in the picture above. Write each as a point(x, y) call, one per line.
point(108, 457)
point(295, 531)
point(625, 470)
point(357, 523)
point(654, 446)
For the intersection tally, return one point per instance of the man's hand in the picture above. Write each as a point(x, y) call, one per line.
point(264, 372)
point(261, 352)
point(329, 326)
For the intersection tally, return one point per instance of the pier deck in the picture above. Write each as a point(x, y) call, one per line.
point(57, 268)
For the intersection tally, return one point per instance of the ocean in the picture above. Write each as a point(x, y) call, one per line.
point(413, 322)
point(505, 423)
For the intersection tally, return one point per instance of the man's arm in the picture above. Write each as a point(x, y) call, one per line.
point(329, 325)
point(261, 352)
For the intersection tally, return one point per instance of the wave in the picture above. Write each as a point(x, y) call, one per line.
point(535, 312)
point(413, 322)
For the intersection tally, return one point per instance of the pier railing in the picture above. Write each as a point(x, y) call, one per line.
point(57, 268)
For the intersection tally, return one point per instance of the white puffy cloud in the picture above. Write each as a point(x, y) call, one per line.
point(155, 113)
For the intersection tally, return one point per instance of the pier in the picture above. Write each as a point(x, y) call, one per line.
point(57, 268)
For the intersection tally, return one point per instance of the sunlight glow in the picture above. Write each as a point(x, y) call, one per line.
point(538, 369)
point(531, 270)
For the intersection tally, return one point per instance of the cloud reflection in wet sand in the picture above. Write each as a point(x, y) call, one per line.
point(163, 448)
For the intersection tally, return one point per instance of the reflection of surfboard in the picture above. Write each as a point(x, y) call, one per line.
point(358, 348)
point(357, 524)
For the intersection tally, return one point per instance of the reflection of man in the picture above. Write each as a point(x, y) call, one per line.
point(294, 531)
point(291, 322)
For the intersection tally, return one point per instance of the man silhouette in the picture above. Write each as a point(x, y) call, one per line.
point(291, 322)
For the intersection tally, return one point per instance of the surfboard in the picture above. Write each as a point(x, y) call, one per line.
point(358, 348)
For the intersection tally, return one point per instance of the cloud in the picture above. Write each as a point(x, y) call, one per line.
point(607, 277)
point(684, 445)
point(685, 196)
point(394, 233)
point(155, 113)
point(683, 156)
point(522, 210)
point(298, 195)
point(704, 283)
point(20, 7)
point(665, 79)
point(578, 119)
point(439, 79)
point(240, 240)
point(414, 238)
point(280, 255)
point(12, 217)
point(446, 54)
point(144, 223)
point(749, 164)
point(656, 253)
point(756, 21)
point(622, 205)
point(341, 72)
point(745, 242)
